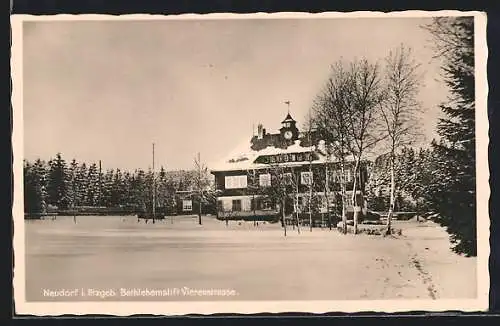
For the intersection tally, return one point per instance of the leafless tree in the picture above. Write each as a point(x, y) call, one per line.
point(399, 110)
point(201, 182)
point(366, 94)
point(331, 109)
point(253, 187)
point(227, 215)
point(294, 183)
point(280, 189)
point(326, 184)
point(310, 183)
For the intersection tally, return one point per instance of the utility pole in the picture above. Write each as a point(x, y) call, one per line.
point(199, 189)
point(154, 185)
point(100, 185)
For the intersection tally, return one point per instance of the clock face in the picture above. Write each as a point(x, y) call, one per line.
point(288, 134)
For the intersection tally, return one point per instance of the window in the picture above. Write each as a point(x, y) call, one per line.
point(293, 159)
point(272, 159)
point(300, 204)
point(227, 205)
point(187, 205)
point(333, 176)
point(236, 182)
point(236, 205)
point(324, 206)
point(306, 178)
point(265, 180)
point(288, 178)
point(246, 205)
point(266, 204)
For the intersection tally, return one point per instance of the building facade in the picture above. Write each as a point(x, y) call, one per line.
point(291, 165)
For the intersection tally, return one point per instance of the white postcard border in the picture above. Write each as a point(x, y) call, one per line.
point(249, 307)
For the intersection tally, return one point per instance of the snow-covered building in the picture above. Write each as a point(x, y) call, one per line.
point(302, 156)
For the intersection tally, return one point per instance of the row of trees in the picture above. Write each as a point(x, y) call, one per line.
point(412, 169)
point(367, 107)
point(366, 104)
point(65, 186)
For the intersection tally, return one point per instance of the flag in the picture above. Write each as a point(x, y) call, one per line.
point(287, 102)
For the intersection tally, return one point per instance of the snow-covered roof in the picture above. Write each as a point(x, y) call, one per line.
point(243, 156)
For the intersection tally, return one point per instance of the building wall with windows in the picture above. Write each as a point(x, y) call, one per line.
point(242, 177)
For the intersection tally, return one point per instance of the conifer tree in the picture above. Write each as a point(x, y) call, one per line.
point(454, 189)
point(81, 185)
point(57, 183)
point(72, 183)
point(92, 190)
point(119, 188)
point(108, 190)
point(35, 194)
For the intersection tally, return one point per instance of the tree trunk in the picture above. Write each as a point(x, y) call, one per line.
point(283, 216)
point(329, 217)
point(392, 198)
point(354, 201)
point(310, 200)
point(327, 192)
point(199, 212)
point(253, 204)
point(343, 194)
point(310, 211)
point(297, 205)
point(297, 213)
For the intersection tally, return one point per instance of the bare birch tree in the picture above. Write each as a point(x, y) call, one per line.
point(295, 179)
point(326, 184)
point(331, 110)
point(399, 110)
point(365, 97)
point(253, 187)
point(279, 189)
point(310, 183)
point(201, 182)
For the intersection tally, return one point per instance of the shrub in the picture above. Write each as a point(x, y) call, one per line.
point(371, 229)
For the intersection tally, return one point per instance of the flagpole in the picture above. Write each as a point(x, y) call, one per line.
point(288, 104)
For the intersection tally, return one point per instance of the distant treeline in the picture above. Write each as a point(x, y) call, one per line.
point(55, 185)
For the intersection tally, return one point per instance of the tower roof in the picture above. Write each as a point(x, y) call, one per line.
point(288, 119)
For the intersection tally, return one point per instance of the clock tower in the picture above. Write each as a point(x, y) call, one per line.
point(289, 129)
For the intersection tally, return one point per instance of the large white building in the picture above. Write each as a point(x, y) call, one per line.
point(241, 177)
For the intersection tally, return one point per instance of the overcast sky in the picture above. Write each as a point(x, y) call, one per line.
point(96, 90)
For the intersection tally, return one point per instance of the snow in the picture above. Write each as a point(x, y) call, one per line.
point(243, 157)
point(258, 262)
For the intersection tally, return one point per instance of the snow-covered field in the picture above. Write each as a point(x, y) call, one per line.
point(180, 260)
